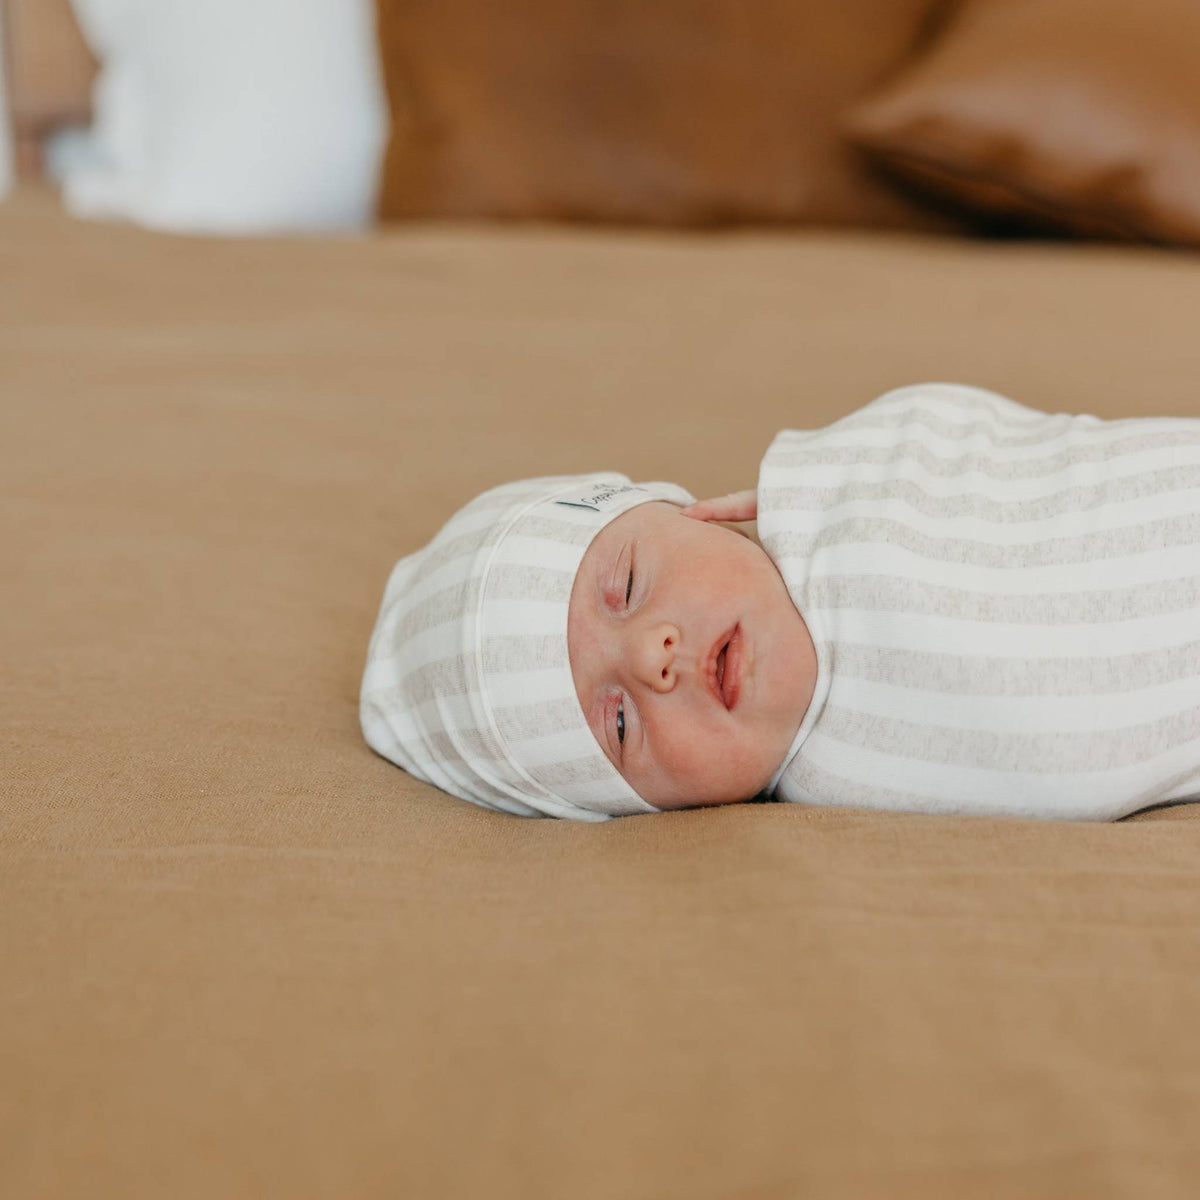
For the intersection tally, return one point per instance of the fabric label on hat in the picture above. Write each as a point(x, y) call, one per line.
point(603, 498)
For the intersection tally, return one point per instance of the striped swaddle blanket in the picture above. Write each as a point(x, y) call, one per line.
point(1005, 606)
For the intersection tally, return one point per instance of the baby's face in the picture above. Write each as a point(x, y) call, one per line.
point(689, 658)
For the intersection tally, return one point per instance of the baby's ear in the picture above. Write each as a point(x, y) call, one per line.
point(736, 506)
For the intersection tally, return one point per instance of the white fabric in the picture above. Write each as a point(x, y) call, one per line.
point(231, 116)
point(1005, 606)
point(468, 683)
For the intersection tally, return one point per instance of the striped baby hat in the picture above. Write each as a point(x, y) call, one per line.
point(467, 684)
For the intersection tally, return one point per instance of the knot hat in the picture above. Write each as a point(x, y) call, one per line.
point(468, 685)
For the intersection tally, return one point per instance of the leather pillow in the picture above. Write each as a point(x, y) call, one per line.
point(675, 112)
point(51, 72)
point(1076, 115)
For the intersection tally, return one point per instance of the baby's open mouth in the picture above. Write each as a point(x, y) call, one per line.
point(728, 667)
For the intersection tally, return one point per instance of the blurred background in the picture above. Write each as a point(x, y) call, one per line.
point(982, 117)
point(283, 283)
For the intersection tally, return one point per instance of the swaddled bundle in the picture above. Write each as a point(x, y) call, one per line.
point(468, 682)
point(959, 605)
point(1005, 605)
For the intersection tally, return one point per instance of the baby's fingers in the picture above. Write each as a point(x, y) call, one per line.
point(737, 506)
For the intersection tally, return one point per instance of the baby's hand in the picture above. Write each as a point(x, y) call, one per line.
point(737, 506)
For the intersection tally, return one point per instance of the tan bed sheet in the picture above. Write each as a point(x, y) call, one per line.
point(240, 955)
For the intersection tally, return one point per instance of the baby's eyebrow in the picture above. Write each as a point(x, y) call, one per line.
point(606, 576)
point(603, 572)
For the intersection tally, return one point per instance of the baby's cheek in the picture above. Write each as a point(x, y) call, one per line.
point(682, 746)
point(706, 764)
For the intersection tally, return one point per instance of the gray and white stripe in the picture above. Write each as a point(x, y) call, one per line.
point(1005, 605)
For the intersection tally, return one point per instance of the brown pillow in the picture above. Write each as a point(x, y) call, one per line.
point(672, 112)
point(51, 71)
point(1083, 115)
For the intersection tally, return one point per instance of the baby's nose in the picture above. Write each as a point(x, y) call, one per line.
point(656, 656)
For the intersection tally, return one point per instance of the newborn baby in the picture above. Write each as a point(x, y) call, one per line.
point(958, 605)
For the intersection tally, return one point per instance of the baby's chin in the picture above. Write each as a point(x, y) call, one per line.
point(677, 805)
point(702, 798)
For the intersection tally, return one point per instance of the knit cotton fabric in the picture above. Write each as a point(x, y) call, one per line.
point(1005, 605)
point(468, 683)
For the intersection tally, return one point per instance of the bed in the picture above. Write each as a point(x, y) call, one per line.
point(244, 956)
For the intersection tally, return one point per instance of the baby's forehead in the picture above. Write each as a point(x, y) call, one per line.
point(654, 518)
point(652, 514)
